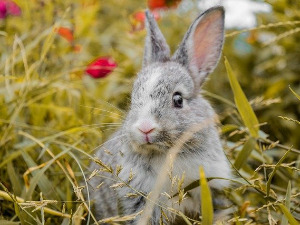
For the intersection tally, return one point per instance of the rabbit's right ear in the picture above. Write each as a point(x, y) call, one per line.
point(202, 45)
point(156, 47)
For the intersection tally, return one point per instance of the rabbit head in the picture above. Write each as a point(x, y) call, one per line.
point(166, 99)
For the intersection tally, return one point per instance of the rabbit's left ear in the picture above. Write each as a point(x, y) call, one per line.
point(156, 47)
point(202, 45)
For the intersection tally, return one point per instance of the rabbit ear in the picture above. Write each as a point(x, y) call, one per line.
point(201, 47)
point(156, 47)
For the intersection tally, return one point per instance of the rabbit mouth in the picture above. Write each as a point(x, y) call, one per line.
point(159, 143)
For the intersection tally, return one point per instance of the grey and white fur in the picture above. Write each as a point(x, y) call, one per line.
point(154, 122)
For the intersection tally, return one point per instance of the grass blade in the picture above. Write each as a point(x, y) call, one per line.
point(186, 220)
point(207, 211)
point(35, 179)
point(297, 96)
point(6, 222)
point(288, 214)
point(245, 153)
point(9, 197)
point(284, 220)
point(43, 182)
point(274, 171)
point(247, 114)
point(16, 183)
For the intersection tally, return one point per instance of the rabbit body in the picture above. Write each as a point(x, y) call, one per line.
point(166, 103)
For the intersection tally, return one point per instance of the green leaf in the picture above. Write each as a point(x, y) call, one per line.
point(6, 222)
point(228, 128)
point(207, 211)
point(13, 177)
point(26, 216)
point(39, 113)
point(196, 184)
point(274, 171)
point(288, 215)
point(237, 222)
point(284, 220)
point(43, 182)
point(40, 173)
point(297, 96)
point(247, 114)
point(245, 153)
point(10, 157)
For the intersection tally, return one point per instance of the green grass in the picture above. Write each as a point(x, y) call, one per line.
point(53, 116)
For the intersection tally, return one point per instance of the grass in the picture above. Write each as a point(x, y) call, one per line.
point(53, 117)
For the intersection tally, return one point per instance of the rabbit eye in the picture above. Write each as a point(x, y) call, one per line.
point(177, 100)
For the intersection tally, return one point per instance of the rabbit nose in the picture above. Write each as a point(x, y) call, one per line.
point(146, 127)
point(146, 131)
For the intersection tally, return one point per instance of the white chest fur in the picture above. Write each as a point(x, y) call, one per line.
point(147, 172)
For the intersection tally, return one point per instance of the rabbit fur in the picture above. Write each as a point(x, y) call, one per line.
point(153, 125)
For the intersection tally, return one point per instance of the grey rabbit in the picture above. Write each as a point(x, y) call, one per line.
point(165, 103)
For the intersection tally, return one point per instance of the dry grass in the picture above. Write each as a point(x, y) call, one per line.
point(53, 117)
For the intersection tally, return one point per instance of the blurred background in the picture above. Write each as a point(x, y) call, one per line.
point(66, 73)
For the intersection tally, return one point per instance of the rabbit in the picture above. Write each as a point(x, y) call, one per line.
point(166, 102)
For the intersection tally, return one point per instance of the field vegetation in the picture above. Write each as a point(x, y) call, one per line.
point(66, 72)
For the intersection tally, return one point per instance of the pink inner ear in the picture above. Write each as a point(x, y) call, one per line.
point(207, 41)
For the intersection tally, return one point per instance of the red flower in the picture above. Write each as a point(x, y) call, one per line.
point(8, 7)
point(101, 67)
point(66, 33)
point(77, 48)
point(138, 20)
point(163, 4)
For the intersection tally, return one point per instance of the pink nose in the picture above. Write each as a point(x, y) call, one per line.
point(147, 130)
point(146, 127)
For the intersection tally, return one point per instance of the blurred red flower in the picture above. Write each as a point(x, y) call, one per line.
point(66, 33)
point(163, 4)
point(8, 7)
point(77, 48)
point(101, 67)
point(138, 20)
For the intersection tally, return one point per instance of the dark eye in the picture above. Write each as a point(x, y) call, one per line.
point(177, 100)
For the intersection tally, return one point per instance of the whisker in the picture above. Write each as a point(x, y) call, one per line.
point(113, 106)
point(105, 114)
point(111, 123)
point(90, 107)
point(100, 125)
point(112, 139)
point(185, 145)
point(114, 128)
